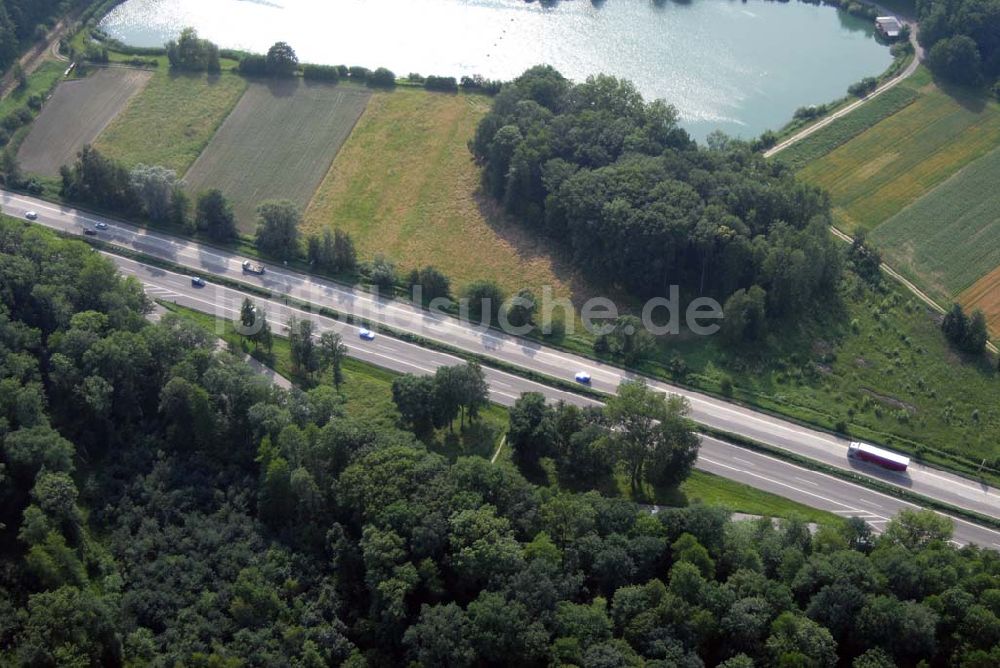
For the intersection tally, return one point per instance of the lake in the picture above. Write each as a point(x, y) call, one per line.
point(740, 67)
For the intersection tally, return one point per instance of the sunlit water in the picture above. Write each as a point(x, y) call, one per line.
point(739, 67)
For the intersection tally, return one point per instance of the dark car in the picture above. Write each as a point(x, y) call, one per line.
point(198, 281)
point(90, 233)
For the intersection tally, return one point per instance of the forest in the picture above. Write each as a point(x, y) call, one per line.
point(640, 205)
point(163, 505)
point(23, 20)
point(962, 38)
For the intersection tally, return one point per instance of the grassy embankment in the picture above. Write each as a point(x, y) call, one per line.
point(367, 393)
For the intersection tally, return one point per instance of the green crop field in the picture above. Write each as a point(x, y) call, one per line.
point(846, 127)
point(75, 115)
point(884, 169)
point(172, 121)
point(949, 238)
point(405, 185)
point(278, 143)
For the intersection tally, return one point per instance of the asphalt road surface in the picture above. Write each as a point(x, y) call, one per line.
point(207, 261)
point(794, 482)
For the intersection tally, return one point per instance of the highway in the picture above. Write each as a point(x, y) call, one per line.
point(777, 432)
point(794, 482)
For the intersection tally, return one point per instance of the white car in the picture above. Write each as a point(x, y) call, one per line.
point(582, 377)
point(366, 334)
point(31, 215)
point(101, 226)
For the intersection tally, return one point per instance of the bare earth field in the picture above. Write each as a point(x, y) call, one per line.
point(77, 113)
point(405, 185)
point(277, 143)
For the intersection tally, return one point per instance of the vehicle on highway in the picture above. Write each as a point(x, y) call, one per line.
point(90, 233)
point(101, 226)
point(884, 458)
point(366, 334)
point(252, 267)
point(582, 377)
point(31, 215)
point(198, 281)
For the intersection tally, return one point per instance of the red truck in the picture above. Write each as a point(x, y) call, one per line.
point(884, 458)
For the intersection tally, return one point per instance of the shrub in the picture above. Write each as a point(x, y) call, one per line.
point(863, 87)
point(253, 64)
point(383, 274)
point(447, 84)
point(415, 77)
point(320, 73)
point(726, 386)
point(478, 83)
point(382, 78)
point(359, 73)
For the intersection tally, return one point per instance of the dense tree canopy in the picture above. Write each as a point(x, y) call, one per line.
point(190, 53)
point(162, 504)
point(19, 20)
point(962, 38)
point(641, 205)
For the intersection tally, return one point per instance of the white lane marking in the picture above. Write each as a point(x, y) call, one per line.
point(777, 482)
point(808, 482)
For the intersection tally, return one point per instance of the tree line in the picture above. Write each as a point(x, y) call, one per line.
point(162, 504)
point(962, 38)
point(24, 20)
point(640, 205)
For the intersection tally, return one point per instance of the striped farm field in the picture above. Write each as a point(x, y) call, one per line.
point(171, 121)
point(949, 238)
point(881, 171)
point(984, 295)
point(277, 143)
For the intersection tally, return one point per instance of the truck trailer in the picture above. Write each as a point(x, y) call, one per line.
point(874, 455)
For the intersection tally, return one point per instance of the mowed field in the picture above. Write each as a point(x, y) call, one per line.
point(172, 120)
point(949, 238)
point(277, 143)
point(75, 116)
point(876, 174)
point(405, 185)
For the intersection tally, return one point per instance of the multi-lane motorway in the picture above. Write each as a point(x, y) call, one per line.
point(758, 470)
point(208, 261)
